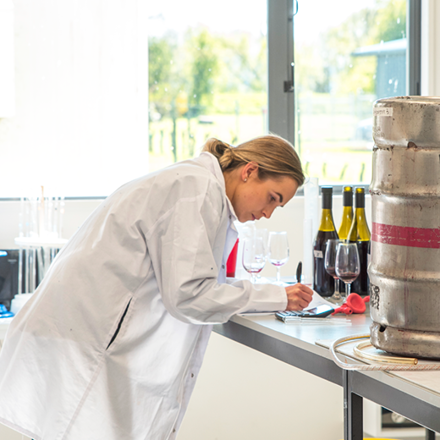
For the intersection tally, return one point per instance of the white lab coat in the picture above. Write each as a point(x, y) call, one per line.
point(151, 262)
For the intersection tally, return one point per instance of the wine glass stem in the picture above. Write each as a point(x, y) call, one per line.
point(337, 287)
point(253, 278)
point(278, 274)
point(347, 289)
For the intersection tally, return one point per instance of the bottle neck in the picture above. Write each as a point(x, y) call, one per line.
point(360, 200)
point(359, 212)
point(347, 218)
point(347, 200)
point(326, 201)
point(327, 223)
point(359, 230)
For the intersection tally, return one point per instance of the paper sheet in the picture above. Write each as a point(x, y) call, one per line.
point(317, 300)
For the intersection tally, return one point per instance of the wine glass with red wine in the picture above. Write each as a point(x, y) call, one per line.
point(329, 264)
point(347, 264)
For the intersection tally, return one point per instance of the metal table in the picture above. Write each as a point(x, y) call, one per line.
point(295, 344)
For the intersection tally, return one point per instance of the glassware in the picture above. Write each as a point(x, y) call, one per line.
point(254, 257)
point(278, 252)
point(329, 264)
point(347, 264)
point(264, 235)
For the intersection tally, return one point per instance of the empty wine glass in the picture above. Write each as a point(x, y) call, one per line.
point(278, 252)
point(264, 235)
point(329, 264)
point(347, 265)
point(254, 256)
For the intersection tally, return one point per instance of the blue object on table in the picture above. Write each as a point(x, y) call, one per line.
point(4, 312)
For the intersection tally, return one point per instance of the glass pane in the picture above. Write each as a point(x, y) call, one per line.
point(207, 75)
point(346, 56)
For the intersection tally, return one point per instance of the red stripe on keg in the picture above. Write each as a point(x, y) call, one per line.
point(406, 236)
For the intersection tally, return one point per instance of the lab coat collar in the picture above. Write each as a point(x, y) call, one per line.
point(210, 162)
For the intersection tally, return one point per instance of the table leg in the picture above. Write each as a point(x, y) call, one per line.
point(353, 413)
point(429, 435)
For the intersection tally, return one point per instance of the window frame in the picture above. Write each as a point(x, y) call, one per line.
point(280, 35)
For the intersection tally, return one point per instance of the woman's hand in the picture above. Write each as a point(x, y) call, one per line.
point(298, 296)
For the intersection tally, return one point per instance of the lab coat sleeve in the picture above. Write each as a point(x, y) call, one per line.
point(183, 247)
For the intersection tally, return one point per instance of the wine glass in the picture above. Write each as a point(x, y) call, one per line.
point(329, 264)
point(254, 256)
point(347, 265)
point(278, 252)
point(264, 234)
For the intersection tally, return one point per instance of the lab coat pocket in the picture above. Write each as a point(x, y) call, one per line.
point(119, 324)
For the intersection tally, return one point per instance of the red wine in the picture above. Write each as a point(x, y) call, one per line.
point(348, 277)
point(362, 282)
point(324, 283)
point(331, 271)
point(360, 234)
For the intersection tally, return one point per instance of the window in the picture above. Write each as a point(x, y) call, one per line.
point(347, 55)
point(92, 112)
point(207, 75)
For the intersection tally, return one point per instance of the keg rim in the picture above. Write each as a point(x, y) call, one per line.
point(431, 100)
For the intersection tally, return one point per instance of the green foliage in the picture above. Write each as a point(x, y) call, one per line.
point(350, 75)
point(247, 103)
point(390, 21)
point(202, 51)
point(242, 68)
point(163, 87)
point(160, 56)
point(332, 62)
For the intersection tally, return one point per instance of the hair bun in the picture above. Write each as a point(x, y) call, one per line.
point(227, 156)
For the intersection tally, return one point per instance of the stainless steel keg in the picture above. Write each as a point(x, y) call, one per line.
point(404, 268)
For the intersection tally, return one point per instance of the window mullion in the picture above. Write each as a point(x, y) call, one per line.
point(280, 58)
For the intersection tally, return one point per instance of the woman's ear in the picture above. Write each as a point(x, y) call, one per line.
point(250, 170)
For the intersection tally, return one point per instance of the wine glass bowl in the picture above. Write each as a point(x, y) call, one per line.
point(278, 252)
point(329, 264)
point(254, 256)
point(347, 266)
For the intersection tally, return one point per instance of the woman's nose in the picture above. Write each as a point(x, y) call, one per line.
point(268, 212)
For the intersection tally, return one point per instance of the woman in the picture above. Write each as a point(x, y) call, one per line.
point(110, 345)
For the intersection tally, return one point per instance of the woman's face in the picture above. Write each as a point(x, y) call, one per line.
point(254, 198)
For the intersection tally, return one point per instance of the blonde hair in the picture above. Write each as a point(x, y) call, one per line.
point(275, 156)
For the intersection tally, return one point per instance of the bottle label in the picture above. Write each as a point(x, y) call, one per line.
point(383, 111)
point(318, 254)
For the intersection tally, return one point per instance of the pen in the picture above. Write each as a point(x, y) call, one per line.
point(299, 272)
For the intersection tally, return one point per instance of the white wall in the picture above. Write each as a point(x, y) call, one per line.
point(81, 82)
point(430, 48)
point(242, 394)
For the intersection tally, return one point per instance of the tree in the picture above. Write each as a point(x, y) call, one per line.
point(390, 21)
point(350, 75)
point(202, 68)
point(384, 21)
point(245, 70)
point(161, 83)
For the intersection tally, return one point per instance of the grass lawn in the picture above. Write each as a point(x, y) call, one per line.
point(325, 142)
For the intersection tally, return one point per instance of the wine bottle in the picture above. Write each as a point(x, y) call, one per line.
point(347, 219)
point(323, 283)
point(347, 213)
point(360, 234)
